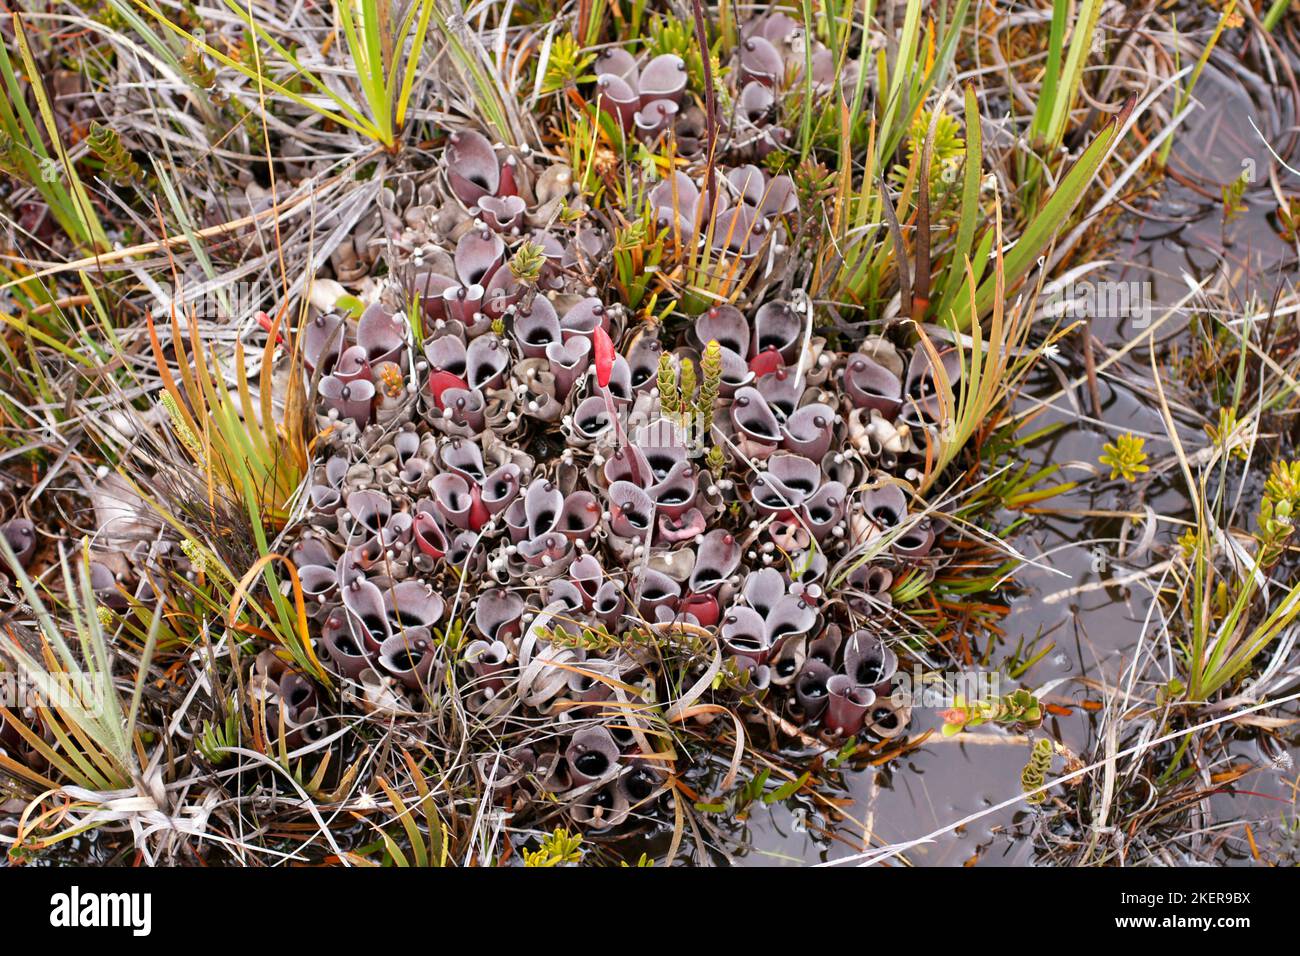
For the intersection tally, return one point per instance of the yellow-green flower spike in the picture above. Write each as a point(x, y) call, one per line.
point(179, 426)
point(711, 367)
point(668, 399)
point(686, 387)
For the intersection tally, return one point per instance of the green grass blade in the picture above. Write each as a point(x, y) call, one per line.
point(1056, 211)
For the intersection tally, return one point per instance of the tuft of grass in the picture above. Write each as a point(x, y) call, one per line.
point(383, 55)
point(1227, 629)
point(994, 361)
point(1063, 75)
point(35, 153)
point(93, 729)
point(242, 447)
point(249, 456)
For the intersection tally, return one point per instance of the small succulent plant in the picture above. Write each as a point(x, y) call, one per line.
point(119, 166)
point(1020, 707)
point(1278, 509)
point(1035, 773)
point(557, 849)
point(1125, 457)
